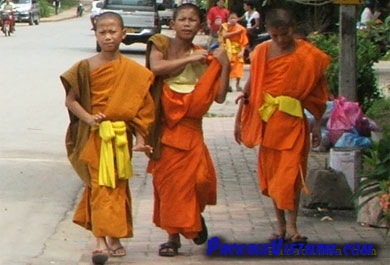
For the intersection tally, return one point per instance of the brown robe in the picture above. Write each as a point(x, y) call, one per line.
point(112, 90)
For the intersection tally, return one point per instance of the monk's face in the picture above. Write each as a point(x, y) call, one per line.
point(109, 34)
point(232, 19)
point(283, 37)
point(186, 24)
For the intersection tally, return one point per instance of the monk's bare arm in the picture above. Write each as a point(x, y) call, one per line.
point(221, 56)
point(241, 100)
point(160, 66)
point(74, 106)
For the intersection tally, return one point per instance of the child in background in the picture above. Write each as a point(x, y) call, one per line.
point(233, 37)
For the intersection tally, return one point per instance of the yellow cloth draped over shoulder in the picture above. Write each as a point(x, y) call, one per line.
point(281, 88)
point(233, 46)
point(105, 206)
point(184, 177)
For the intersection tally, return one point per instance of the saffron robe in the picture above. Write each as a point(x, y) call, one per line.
point(234, 45)
point(184, 177)
point(112, 90)
point(284, 139)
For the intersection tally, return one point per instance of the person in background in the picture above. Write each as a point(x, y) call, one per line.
point(234, 39)
point(252, 20)
point(108, 100)
point(57, 6)
point(188, 80)
point(8, 6)
point(369, 14)
point(215, 17)
point(286, 77)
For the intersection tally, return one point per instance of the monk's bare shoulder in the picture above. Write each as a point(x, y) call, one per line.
point(94, 62)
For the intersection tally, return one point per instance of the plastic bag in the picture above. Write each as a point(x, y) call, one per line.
point(343, 118)
point(353, 140)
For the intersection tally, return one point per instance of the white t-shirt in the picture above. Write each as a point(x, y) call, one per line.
point(255, 15)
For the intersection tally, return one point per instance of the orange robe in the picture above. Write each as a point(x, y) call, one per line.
point(234, 45)
point(284, 139)
point(112, 90)
point(184, 177)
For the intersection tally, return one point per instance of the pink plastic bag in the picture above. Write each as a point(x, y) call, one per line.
point(343, 118)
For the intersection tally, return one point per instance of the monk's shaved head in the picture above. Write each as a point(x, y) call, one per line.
point(279, 18)
point(110, 15)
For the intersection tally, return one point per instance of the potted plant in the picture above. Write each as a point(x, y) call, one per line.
point(373, 192)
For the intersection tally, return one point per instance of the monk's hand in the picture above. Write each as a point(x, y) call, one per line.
point(142, 147)
point(199, 55)
point(96, 119)
point(237, 132)
point(221, 55)
point(242, 96)
point(316, 135)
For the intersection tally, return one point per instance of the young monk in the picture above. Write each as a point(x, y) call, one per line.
point(108, 102)
point(286, 76)
point(186, 85)
point(234, 39)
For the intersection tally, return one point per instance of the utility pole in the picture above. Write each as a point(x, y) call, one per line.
point(348, 59)
point(347, 44)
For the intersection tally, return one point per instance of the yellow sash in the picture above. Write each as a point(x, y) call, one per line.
point(116, 131)
point(286, 104)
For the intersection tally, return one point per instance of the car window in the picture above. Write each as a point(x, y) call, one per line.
point(134, 3)
point(21, 1)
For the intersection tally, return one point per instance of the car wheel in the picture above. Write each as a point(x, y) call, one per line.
point(31, 20)
point(37, 19)
point(98, 48)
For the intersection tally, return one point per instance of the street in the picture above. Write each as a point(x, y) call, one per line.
point(38, 186)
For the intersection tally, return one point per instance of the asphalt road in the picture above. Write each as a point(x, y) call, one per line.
point(37, 185)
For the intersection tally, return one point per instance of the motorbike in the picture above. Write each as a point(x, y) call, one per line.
point(80, 10)
point(8, 22)
point(262, 37)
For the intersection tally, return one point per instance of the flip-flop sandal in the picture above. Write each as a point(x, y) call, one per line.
point(276, 237)
point(297, 238)
point(202, 235)
point(118, 252)
point(169, 249)
point(99, 257)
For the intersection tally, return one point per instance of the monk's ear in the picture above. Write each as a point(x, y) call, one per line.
point(123, 34)
point(171, 24)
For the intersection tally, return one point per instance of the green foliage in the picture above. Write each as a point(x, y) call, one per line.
point(329, 43)
point(380, 113)
point(375, 178)
point(367, 54)
point(45, 9)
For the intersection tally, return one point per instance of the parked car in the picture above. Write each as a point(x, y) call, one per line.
point(140, 18)
point(27, 11)
point(166, 15)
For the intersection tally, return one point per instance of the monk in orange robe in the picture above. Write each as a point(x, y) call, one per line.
point(186, 85)
point(107, 106)
point(234, 39)
point(286, 76)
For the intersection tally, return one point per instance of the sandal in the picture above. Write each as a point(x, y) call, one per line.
point(100, 256)
point(202, 235)
point(276, 237)
point(169, 249)
point(118, 252)
point(297, 238)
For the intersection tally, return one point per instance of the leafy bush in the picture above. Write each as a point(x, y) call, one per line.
point(380, 113)
point(367, 54)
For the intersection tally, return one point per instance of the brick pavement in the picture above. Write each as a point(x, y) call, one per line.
point(241, 213)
